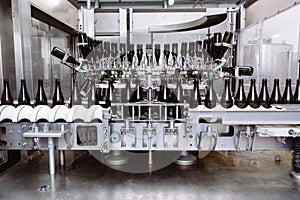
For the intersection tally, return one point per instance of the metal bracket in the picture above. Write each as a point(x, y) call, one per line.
point(250, 135)
point(128, 131)
point(171, 132)
point(209, 133)
point(148, 133)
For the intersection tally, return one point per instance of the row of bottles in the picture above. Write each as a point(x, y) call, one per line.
point(253, 99)
point(215, 46)
point(40, 98)
point(104, 96)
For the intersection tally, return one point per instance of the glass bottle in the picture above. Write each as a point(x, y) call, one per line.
point(211, 96)
point(139, 53)
point(165, 95)
point(75, 97)
point(137, 96)
point(226, 100)
point(100, 96)
point(216, 46)
point(296, 98)
point(198, 49)
point(192, 49)
point(240, 97)
point(166, 52)
point(130, 54)
point(183, 52)
point(252, 98)
point(149, 54)
point(227, 38)
point(157, 53)
point(41, 98)
point(126, 92)
point(122, 51)
point(287, 97)
point(174, 52)
point(264, 99)
point(23, 95)
point(195, 98)
point(276, 95)
point(109, 95)
point(6, 98)
point(58, 98)
point(92, 95)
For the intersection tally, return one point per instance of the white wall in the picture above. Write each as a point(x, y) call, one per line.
point(266, 8)
point(282, 30)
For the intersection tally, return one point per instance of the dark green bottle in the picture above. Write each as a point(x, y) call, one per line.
point(6, 98)
point(41, 98)
point(264, 98)
point(92, 95)
point(23, 98)
point(211, 96)
point(252, 98)
point(75, 97)
point(275, 96)
point(137, 96)
point(166, 52)
point(58, 98)
point(296, 98)
point(226, 100)
point(195, 98)
point(139, 53)
point(157, 53)
point(287, 97)
point(240, 97)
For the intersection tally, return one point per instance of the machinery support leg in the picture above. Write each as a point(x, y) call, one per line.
point(186, 159)
point(116, 158)
point(51, 156)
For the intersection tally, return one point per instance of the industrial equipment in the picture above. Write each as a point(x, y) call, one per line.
point(152, 102)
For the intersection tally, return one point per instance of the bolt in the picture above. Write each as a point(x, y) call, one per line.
point(291, 131)
point(277, 158)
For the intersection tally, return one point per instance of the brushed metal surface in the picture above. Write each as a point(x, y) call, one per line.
point(217, 176)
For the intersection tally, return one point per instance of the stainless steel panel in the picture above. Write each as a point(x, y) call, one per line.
point(44, 38)
point(7, 58)
point(234, 176)
point(22, 42)
point(107, 22)
point(62, 10)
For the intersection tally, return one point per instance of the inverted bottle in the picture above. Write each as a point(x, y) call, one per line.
point(41, 98)
point(240, 97)
point(195, 98)
point(211, 96)
point(6, 98)
point(157, 53)
point(276, 95)
point(264, 98)
point(75, 97)
point(226, 100)
point(23, 95)
point(252, 98)
point(287, 97)
point(296, 97)
point(58, 98)
point(139, 53)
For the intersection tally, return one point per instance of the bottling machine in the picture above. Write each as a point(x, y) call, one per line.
point(139, 106)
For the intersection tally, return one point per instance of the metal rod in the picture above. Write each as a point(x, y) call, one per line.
point(61, 157)
point(51, 156)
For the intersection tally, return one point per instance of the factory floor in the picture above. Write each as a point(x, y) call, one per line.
point(233, 175)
